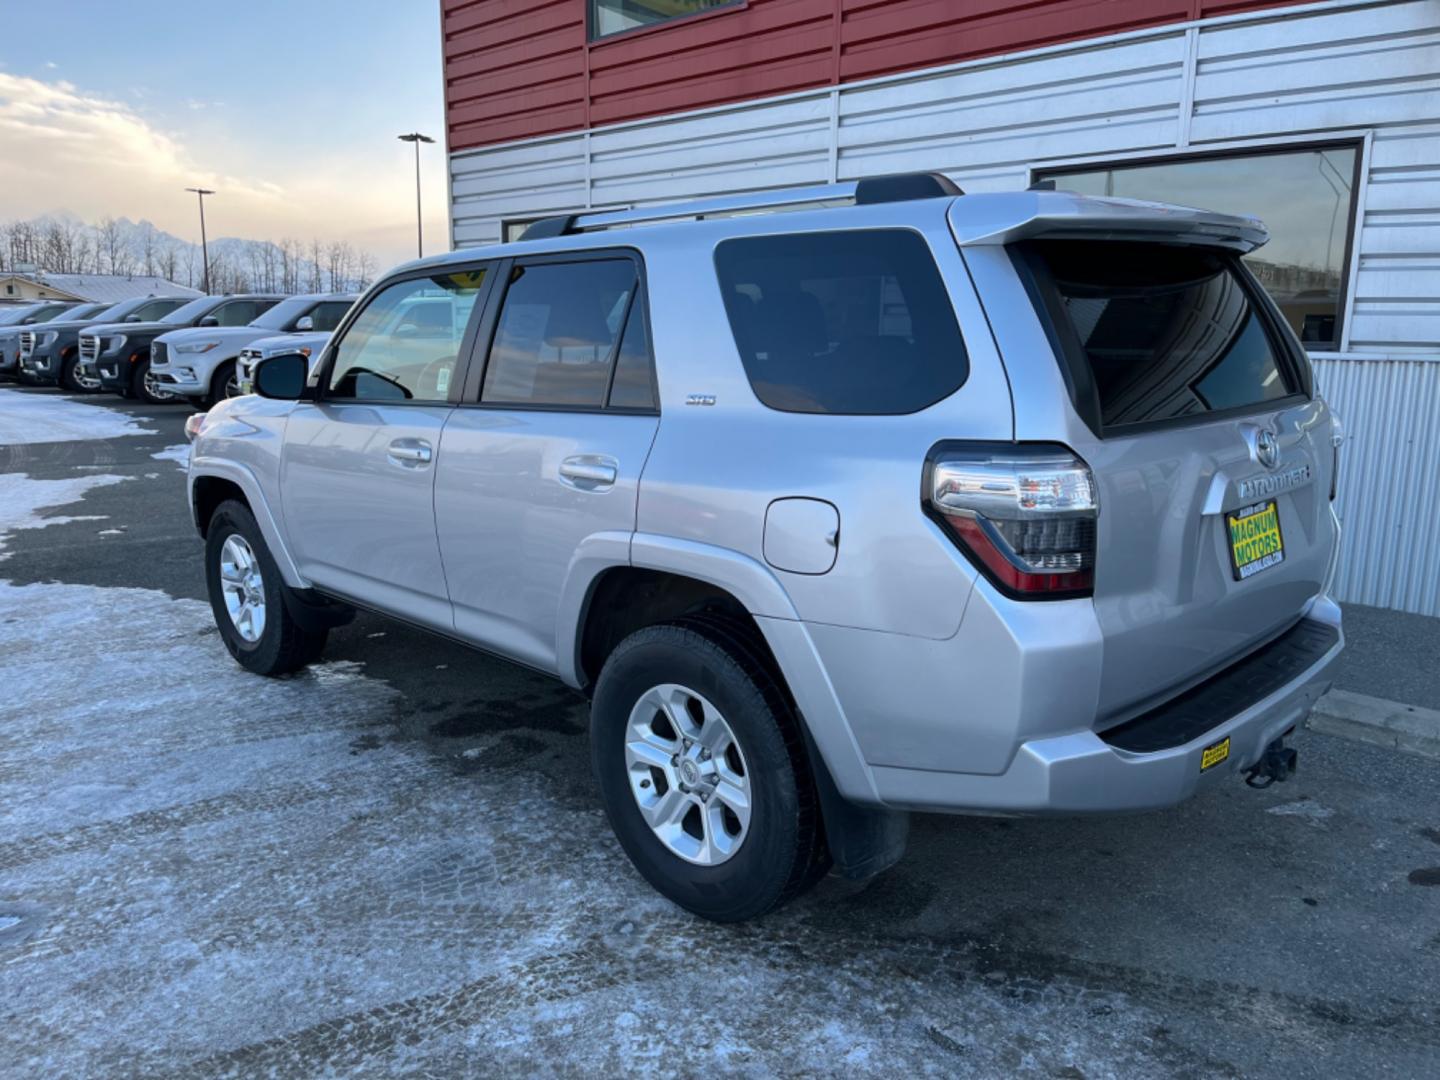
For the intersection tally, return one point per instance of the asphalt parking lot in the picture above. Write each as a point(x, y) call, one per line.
point(395, 863)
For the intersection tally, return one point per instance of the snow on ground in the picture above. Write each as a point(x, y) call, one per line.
point(49, 418)
point(179, 454)
point(21, 498)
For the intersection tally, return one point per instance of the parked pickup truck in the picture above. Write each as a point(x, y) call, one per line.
point(1014, 503)
point(307, 345)
point(13, 320)
point(50, 354)
point(203, 364)
point(119, 353)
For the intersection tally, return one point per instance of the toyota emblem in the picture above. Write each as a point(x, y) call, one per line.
point(1267, 449)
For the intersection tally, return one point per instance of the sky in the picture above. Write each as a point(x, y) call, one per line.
point(289, 109)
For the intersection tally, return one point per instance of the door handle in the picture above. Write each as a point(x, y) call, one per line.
point(410, 452)
point(589, 472)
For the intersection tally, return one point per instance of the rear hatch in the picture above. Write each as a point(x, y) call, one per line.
point(1162, 363)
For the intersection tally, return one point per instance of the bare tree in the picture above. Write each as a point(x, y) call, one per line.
point(147, 246)
point(107, 239)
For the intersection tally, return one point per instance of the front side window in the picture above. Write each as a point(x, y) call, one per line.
point(241, 312)
point(1306, 198)
point(616, 16)
point(842, 322)
point(555, 340)
point(405, 344)
point(156, 309)
point(326, 317)
point(1166, 331)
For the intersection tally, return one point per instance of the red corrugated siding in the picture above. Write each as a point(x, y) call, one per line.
point(520, 68)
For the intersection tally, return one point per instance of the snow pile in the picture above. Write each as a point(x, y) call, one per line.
point(21, 498)
point(179, 454)
point(45, 418)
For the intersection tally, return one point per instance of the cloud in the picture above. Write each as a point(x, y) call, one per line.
point(99, 157)
point(51, 64)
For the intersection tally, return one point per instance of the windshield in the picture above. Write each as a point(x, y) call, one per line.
point(12, 316)
point(284, 313)
point(188, 313)
point(83, 311)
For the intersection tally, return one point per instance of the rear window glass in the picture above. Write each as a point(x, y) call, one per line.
point(843, 322)
point(1167, 332)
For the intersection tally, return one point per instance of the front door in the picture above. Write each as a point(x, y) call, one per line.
point(548, 450)
point(358, 468)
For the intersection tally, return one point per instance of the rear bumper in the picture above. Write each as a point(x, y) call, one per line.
point(1085, 772)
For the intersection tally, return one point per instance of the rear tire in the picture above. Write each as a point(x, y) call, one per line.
point(247, 596)
point(662, 685)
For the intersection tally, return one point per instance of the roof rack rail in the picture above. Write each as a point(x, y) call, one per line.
point(868, 191)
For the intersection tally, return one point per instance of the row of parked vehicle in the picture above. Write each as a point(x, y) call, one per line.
point(162, 348)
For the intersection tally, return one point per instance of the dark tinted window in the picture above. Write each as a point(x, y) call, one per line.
point(1166, 331)
point(242, 312)
point(556, 336)
point(1305, 197)
point(405, 343)
point(847, 322)
point(327, 316)
point(156, 309)
point(633, 386)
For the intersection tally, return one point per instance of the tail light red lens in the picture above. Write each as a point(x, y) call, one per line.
point(1025, 515)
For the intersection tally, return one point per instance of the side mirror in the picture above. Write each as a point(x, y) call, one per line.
point(305, 323)
point(132, 318)
point(282, 377)
point(208, 320)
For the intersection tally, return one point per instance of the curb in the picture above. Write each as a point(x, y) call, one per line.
point(1373, 720)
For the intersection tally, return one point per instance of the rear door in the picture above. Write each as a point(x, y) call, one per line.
point(548, 445)
point(1171, 374)
point(358, 466)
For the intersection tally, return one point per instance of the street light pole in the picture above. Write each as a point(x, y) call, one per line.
point(200, 193)
point(416, 138)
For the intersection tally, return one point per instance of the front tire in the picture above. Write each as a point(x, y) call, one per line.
point(70, 378)
point(703, 772)
point(144, 386)
point(247, 597)
point(225, 383)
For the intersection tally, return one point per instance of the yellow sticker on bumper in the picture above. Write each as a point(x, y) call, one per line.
point(1214, 755)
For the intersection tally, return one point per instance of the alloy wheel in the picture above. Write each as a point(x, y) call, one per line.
point(688, 774)
point(243, 588)
point(155, 389)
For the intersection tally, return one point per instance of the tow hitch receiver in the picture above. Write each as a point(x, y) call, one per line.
point(1276, 763)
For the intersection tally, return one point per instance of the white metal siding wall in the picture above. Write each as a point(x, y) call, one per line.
point(1389, 500)
point(1336, 67)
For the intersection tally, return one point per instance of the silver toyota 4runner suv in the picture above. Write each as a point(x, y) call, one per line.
point(902, 499)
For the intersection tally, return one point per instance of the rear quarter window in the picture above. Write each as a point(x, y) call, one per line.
point(855, 322)
point(1156, 333)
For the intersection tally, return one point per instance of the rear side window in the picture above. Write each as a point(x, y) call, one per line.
point(556, 339)
point(852, 322)
point(1164, 332)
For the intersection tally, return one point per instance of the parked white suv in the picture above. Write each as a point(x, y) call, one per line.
point(1005, 503)
point(201, 363)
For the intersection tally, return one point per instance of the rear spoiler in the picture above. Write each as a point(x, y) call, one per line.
point(1066, 215)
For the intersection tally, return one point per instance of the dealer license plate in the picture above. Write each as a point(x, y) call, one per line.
point(1255, 540)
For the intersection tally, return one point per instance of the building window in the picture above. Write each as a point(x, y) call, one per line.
point(1305, 197)
point(616, 16)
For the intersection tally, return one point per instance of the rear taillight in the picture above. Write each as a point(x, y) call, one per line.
point(1025, 515)
point(1337, 437)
